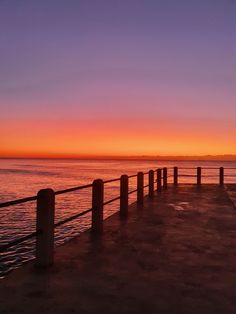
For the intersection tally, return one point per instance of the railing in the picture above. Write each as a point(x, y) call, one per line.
point(198, 175)
point(45, 208)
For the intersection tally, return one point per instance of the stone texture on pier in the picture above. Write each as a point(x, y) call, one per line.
point(231, 190)
point(174, 254)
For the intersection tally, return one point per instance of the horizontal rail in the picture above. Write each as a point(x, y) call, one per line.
point(81, 187)
point(112, 200)
point(187, 175)
point(111, 180)
point(62, 222)
point(34, 198)
point(133, 191)
point(194, 168)
point(18, 201)
point(132, 176)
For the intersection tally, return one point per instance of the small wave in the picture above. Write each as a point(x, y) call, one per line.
point(25, 171)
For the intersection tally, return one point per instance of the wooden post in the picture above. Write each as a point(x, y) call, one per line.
point(165, 178)
point(175, 176)
point(124, 196)
point(159, 174)
point(140, 188)
point(97, 206)
point(221, 176)
point(199, 176)
point(151, 183)
point(45, 227)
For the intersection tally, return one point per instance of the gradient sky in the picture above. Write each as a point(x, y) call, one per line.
point(109, 77)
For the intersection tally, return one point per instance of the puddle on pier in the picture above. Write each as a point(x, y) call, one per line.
point(181, 206)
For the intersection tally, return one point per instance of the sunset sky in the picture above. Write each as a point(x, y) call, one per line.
point(109, 77)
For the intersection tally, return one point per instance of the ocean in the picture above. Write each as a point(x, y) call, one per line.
point(24, 177)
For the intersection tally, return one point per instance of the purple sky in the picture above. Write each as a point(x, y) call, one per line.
point(138, 59)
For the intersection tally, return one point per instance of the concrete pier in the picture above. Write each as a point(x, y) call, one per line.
point(175, 253)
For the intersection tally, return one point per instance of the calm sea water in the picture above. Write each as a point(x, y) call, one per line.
point(22, 178)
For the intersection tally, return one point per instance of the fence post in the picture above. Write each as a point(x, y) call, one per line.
point(124, 196)
point(221, 176)
point(165, 178)
point(97, 207)
point(140, 188)
point(175, 175)
point(45, 228)
point(159, 174)
point(151, 183)
point(199, 176)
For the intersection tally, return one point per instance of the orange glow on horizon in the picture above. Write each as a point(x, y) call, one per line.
point(115, 137)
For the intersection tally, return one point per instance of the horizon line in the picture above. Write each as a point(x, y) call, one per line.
point(227, 157)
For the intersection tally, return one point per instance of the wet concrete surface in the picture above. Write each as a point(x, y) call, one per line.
point(175, 254)
point(231, 190)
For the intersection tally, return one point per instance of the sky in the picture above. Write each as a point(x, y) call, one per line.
point(117, 77)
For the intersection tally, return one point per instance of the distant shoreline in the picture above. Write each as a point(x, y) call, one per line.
point(135, 158)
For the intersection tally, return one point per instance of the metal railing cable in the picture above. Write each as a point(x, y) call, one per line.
point(132, 176)
point(133, 191)
point(111, 180)
point(62, 222)
point(111, 201)
point(77, 188)
point(18, 201)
